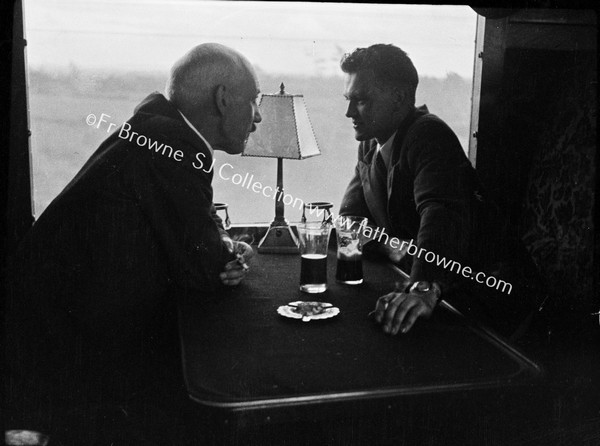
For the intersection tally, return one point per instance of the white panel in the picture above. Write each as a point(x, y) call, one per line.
point(306, 135)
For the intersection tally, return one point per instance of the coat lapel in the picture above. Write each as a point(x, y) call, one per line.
point(374, 186)
point(394, 167)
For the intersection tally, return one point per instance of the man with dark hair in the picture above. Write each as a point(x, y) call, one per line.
point(417, 187)
point(91, 316)
point(391, 65)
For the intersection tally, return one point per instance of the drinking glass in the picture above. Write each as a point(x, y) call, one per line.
point(314, 241)
point(349, 249)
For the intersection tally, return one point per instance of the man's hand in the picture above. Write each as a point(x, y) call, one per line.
point(398, 311)
point(244, 249)
point(234, 271)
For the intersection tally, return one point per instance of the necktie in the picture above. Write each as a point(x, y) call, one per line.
point(380, 166)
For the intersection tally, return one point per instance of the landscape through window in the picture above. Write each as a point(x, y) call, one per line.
point(105, 57)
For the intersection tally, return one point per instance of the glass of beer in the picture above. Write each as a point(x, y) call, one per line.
point(314, 240)
point(349, 250)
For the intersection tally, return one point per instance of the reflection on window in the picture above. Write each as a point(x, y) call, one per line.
point(98, 56)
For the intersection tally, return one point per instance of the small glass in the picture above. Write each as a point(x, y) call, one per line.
point(314, 241)
point(224, 207)
point(349, 251)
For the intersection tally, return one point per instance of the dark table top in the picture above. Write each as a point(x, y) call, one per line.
point(239, 353)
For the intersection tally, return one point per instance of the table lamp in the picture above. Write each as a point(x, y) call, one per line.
point(285, 132)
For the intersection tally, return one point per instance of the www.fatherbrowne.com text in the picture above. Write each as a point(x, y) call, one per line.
point(226, 172)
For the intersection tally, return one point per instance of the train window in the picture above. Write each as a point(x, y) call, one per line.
point(103, 57)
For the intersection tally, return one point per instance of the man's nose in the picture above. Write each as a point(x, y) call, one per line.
point(351, 110)
point(256, 120)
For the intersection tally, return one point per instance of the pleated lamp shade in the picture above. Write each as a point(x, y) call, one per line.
point(285, 130)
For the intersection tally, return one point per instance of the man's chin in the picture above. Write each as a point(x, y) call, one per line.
point(231, 149)
point(360, 136)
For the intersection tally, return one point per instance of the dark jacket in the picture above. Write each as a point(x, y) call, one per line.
point(431, 194)
point(90, 285)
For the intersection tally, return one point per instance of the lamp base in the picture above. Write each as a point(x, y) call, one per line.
point(279, 240)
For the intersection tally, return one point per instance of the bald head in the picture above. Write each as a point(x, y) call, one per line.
point(194, 77)
point(215, 87)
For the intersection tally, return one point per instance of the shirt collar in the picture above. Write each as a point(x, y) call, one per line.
point(212, 152)
point(386, 149)
point(388, 142)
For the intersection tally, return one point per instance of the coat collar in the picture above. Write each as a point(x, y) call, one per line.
point(371, 145)
point(156, 104)
point(415, 114)
point(397, 147)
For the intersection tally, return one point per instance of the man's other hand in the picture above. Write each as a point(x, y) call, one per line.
point(234, 271)
point(397, 311)
point(244, 249)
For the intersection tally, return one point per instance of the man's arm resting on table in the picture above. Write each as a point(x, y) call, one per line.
point(442, 191)
point(178, 202)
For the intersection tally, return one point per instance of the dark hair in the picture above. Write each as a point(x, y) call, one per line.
point(389, 64)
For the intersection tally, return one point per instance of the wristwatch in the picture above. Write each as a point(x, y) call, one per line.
point(424, 287)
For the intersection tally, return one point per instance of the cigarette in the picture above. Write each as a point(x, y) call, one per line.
point(241, 261)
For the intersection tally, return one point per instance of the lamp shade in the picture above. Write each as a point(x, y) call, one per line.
point(285, 130)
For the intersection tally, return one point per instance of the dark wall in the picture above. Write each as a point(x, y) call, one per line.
point(537, 142)
point(557, 219)
point(19, 215)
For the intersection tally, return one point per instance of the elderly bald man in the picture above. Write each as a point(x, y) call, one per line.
point(91, 320)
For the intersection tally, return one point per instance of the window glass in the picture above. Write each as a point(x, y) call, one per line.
point(104, 57)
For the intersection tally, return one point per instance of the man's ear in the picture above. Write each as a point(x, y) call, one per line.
point(400, 96)
point(221, 97)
